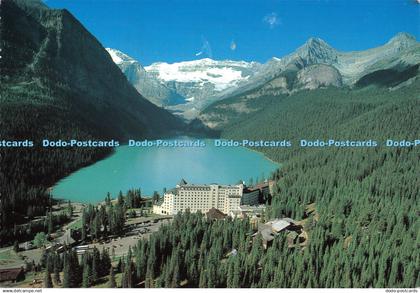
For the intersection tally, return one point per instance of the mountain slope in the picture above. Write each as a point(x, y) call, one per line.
point(357, 206)
point(201, 81)
point(50, 48)
point(317, 65)
point(365, 199)
point(313, 65)
point(58, 82)
point(146, 84)
point(401, 52)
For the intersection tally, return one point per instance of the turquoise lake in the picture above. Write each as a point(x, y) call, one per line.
point(154, 168)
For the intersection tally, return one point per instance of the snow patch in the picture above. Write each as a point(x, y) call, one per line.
point(222, 74)
point(114, 55)
point(119, 57)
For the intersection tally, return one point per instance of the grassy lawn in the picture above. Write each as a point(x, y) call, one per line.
point(76, 225)
point(8, 256)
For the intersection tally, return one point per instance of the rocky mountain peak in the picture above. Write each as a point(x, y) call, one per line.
point(402, 40)
point(314, 51)
point(119, 57)
point(403, 36)
point(146, 84)
point(317, 43)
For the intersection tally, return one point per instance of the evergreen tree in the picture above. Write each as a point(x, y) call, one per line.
point(16, 246)
point(66, 272)
point(95, 265)
point(47, 276)
point(105, 263)
point(87, 276)
point(50, 223)
point(84, 232)
point(112, 283)
point(47, 280)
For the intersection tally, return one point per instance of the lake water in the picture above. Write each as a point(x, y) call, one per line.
point(154, 168)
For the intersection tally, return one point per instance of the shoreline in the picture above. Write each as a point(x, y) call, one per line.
point(209, 144)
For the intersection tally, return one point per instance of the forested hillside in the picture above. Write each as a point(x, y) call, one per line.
point(359, 205)
point(195, 252)
point(58, 82)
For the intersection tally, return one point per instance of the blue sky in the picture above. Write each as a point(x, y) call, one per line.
point(180, 30)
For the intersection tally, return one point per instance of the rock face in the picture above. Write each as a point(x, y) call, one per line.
point(49, 50)
point(57, 82)
point(186, 88)
point(401, 51)
point(317, 65)
point(145, 83)
point(314, 51)
point(316, 76)
point(201, 81)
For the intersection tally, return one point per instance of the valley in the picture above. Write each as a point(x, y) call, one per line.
point(267, 212)
point(198, 84)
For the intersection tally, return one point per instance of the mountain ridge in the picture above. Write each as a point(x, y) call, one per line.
point(53, 39)
point(392, 66)
point(186, 87)
point(205, 81)
point(146, 84)
point(401, 50)
point(58, 83)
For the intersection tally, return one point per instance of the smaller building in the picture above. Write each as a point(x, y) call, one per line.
point(28, 245)
point(250, 196)
point(215, 214)
point(248, 211)
point(12, 275)
point(82, 249)
point(259, 193)
point(271, 229)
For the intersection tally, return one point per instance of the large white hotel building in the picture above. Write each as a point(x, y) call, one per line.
point(226, 198)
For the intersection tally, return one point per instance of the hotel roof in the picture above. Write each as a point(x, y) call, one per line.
point(182, 182)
